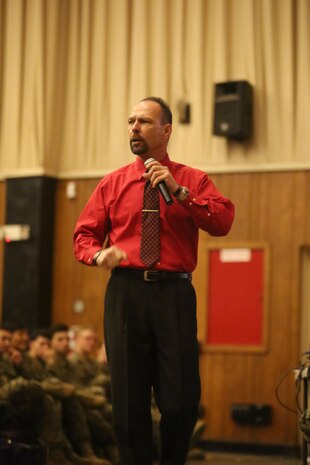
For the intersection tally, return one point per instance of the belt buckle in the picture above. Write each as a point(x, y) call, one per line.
point(146, 275)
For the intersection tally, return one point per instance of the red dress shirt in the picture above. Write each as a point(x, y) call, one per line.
point(114, 210)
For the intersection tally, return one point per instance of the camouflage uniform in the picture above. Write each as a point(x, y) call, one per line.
point(45, 418)
point(7, 370)
point(21, 410)
point(62, 369)
point(74, 421)
point(92, 396)
point(91, 373)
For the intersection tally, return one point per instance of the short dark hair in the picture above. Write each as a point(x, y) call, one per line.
point(35, 333)
point(166, 112)
point(58, 328)
point(15, 326)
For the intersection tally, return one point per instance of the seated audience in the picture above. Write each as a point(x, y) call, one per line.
point(62, 401)
point(89, 371)
point(7, 369)
point(20, 337)
point(97, 408)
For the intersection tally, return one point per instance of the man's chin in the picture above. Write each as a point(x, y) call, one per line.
point(138, 150)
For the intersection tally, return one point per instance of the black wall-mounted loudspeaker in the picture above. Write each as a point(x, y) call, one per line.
point(233, 110)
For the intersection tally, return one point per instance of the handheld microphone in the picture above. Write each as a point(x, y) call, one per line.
point(162, 186)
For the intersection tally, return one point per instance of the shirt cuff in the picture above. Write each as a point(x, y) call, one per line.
point(192, 200)
point(89, 256)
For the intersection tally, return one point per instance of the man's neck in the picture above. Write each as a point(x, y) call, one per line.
point(81, 353)
point(36, 357)
point(158, 156)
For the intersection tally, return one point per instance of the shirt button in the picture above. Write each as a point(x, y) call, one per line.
point(209, 214)
point(191, 203)
point(194, 200)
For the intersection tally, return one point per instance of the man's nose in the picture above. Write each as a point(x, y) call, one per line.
point(136, 126)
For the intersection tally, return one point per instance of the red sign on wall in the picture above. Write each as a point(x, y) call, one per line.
point(236, 297)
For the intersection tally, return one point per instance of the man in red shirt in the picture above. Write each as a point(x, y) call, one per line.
point(150, 310)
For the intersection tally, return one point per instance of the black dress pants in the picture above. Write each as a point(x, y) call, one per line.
point(151, 341)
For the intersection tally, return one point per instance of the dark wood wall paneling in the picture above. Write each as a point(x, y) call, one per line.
point(271, 208)
point(2, 212)
point(27, 265)
point(72, 280)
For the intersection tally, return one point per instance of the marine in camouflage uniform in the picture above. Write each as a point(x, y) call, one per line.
point(62, 397)
point(89, 371)
point(97, 407)
point(20, 337)
point(14, 416)
point(7, 370)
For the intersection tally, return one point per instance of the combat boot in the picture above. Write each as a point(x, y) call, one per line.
point(112, 453)
point(196, 454)
point(56, 456)
point(87, 452)
point(94, 460)
point(198, 431)
point(76, 459)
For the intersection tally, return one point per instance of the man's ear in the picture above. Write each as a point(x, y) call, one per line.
point(167, 130)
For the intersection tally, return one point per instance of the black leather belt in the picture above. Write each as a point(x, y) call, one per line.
point(151, 275)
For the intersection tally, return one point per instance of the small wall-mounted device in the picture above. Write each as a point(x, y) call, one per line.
point(71, 190)
point(14, 232)
point(251, 414)
point(78, 306)
point(184, 109)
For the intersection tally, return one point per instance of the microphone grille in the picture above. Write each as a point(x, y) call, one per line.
point(149, 160)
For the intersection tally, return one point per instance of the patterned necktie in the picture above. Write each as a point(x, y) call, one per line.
point(150, 238)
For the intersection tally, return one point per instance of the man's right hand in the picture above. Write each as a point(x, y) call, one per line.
point(111, 257)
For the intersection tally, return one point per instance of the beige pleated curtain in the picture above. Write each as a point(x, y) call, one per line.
point(70, 70)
